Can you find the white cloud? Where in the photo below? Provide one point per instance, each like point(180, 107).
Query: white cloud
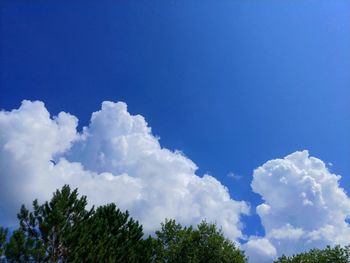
point(234, 176)
point(118, 159)
point(115, 159)
point(304, 206)
point(259, 250)
point(28, 139)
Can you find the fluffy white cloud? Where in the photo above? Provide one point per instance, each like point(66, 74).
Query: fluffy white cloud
point(304, 206)
point(28, 140)
point(115, 159)
point(259, 250)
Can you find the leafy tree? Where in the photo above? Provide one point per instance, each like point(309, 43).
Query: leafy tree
point(214, 247)
point(174, 243)
point(336, 254)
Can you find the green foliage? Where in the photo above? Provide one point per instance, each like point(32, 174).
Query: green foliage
point(3, 236)
point(44, 233)
point(214, 247)
point(62, 230)
point(20, 248)
point(336, 254)
point(174, 243)
point(109, 235)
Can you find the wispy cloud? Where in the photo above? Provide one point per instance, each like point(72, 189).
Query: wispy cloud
point(234, 176)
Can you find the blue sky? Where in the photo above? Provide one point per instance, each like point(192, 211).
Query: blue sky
point(231, 83)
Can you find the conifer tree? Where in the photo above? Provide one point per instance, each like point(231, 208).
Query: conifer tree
point(3, 236)
point(62, 230)
point(109, 235)
point(44, 233)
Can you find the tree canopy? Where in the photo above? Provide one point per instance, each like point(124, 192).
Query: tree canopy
point(64, 230)
point(206, 243)
point(3, 235)
point(329, 254)
point(109, 235)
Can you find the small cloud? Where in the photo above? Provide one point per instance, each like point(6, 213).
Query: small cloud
point(234, 176)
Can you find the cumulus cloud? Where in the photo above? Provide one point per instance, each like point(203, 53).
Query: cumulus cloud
point(304, 206)
point(259, 250)
point(114, 159)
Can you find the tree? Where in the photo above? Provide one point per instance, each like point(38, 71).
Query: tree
point(44, 233)
point(174, 243)
point(20, 248)
point(109, 235)
point(214, 247)
point(336, 254)
point(3, 236)
point(62, 230)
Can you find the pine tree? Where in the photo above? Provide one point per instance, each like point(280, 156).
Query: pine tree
point(109, 235)
point(44, 233)
point(3, 236)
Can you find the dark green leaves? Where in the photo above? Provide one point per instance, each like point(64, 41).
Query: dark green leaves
point(62, 230)
point(109, 235)
point(3, 236)
point(45, 232)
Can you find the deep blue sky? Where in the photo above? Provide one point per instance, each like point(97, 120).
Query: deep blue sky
point(231, 83)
